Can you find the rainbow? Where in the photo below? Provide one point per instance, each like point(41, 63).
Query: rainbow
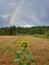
point(16, 11)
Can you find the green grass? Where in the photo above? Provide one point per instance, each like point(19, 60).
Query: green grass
point(41, 36)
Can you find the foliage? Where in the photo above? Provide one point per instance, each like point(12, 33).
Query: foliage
point(47, 34)
point(13, 30)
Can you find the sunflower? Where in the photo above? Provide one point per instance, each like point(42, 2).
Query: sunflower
point(24, 44)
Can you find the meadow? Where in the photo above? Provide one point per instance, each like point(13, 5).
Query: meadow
point(38, 47)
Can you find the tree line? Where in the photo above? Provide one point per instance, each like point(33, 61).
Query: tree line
point(13, 30)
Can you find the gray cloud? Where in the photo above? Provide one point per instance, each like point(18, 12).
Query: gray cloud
point(32, 12)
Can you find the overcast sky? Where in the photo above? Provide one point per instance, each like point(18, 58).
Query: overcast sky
point(24, 12)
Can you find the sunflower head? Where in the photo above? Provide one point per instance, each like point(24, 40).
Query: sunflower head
point(24, 44)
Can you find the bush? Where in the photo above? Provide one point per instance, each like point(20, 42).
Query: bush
point(47, 34)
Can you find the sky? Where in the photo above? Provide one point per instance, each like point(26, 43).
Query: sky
point(24, 13)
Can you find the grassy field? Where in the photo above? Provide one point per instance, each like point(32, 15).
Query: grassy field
point(38, 47)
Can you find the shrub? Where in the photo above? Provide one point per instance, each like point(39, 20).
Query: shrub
point(47, 34)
